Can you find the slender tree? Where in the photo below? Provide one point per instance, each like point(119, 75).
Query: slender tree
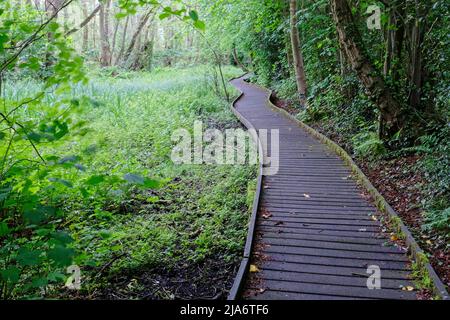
point(87, 18)
point(105, 57)
point(124, 37)
point(297, 54)
point(350, 40)
point(134, 39)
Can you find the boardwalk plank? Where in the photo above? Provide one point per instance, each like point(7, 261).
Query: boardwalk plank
point(315, 228)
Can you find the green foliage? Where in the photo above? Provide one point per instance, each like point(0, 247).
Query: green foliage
point(176, 9)
point(434, 166)
point(34, 249)
point(93, 199)
point(368, 145)
point(438, 220)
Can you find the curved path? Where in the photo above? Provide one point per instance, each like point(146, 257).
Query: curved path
point(316, 235)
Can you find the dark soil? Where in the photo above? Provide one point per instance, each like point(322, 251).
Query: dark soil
point(209, 280)
point(400, 183)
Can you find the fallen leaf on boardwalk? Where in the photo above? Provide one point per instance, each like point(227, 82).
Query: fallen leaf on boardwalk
point(374, 218)
point(394, 237)
point(279, 223)
point(362, 230)
point(267, 215)
point(253, 268)
point(408, 288)
point(306, 195)
point(262, 290)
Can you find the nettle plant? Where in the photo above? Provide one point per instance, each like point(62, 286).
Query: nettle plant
point(36, 177)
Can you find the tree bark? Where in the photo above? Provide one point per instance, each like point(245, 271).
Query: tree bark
point(237, 61)
point(376, 89)
point(394, 41)
point(87, 18)
point(105, 58)
point(85, 30)
point(297, 54)
point(416, 65)
point(114, 40)
point(124, 36)
point(52, 8)
point(135, 36)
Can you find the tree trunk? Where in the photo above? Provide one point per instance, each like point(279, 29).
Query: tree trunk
point(416, 65)
point(87, 19)
point(236, 59)
point(287, 42)
point(124, 36)
point(52, 8)
point(297, 55)
point(135, 37)
point(351, 42)
point(105, 58)
point(114, 40)
point(394, 42)
point(85, 30)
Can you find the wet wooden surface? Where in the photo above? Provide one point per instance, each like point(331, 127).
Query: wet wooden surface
point(314, 227)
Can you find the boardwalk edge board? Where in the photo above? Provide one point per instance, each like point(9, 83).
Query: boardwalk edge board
point(245, 262)
point(418, 255)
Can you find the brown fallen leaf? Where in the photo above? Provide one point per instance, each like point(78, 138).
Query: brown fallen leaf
point(267, 215)
point(394, 237)
point(408, 288)
point(253, 268)
point(278, 223)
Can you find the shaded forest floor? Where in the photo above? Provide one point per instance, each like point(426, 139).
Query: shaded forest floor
point(401, 184)
point(182, 239)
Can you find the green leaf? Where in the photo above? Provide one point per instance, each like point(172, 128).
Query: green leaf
point(4, 193)
point(62, 256)
point(105, 234)
point(11, 274)
point(55, 276)
point(62, 237)
point(39, 282)
point(95, 180)
point(4, 229)
point(39, 214)
point(2, 135)
point(164, 15)
point(28, 257)
point(200, 25)
point(152, 184)
point(193, 14)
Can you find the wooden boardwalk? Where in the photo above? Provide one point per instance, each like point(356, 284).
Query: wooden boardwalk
point(314, 229)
